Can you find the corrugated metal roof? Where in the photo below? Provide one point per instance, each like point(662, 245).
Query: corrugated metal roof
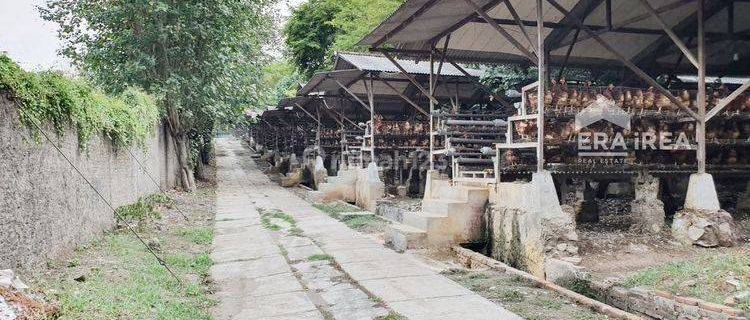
point(419, 24)
point(377, 62)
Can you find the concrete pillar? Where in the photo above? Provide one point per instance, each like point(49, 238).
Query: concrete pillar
point(646, 210)
point(319, 171)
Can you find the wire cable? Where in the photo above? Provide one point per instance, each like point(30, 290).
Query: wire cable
point(151, 177)
point(117, 215)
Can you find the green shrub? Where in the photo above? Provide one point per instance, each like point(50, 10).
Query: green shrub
point(48, 96)
point(139, 211)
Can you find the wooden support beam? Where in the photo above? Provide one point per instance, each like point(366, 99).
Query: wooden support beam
point(640, 73)
point(345, 118)
point(627, 22)
point(406, 22)
point(405, 98)
point(307, 113)
point(567, 54)
point(463, 21)
point(500, 30)
point(517, 18)
point(432, 110)
point(726, 101)
point(677, 41)
point(342, 86)
point(541, 87)
point(371, 100)
point(410, 77)
point(331, 115)
point(700, 132)
point(442, 59)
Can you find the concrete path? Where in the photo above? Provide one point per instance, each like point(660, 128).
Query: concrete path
point(277, 257)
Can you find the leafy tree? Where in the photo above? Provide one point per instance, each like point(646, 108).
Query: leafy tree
point(357, 18)
point(309, 34)
point(320, 27)
point(195, 56)
point(281, 80)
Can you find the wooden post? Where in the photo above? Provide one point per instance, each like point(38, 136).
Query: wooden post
point(432, 109)
point(371, 99)
point(700, 132)
point(542, 78)
point(317, 132)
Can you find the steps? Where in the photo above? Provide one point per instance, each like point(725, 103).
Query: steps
point(403, 237)
point(450, 214)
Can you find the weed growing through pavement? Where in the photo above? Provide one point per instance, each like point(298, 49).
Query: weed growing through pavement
point(320, 257)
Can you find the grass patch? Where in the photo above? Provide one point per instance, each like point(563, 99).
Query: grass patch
point(703, 277)
point(199, 235)
point(359, 222)
point(266, 221)
point(335, 209)
point(320, 257)
point(512, 296)
point(130, 284)
point(578, 285)
point(115, 276)
point(391, 316)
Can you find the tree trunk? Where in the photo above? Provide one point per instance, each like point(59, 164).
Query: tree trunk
point(186, 175)
point(181, 149)
point(204, 158)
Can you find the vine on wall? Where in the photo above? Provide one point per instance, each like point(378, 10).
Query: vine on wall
point(126, 119)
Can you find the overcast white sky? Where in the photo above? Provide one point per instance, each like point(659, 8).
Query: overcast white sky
point(28, 39)
point(33, 43)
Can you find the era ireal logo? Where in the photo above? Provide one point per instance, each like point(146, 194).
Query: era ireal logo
point(602, 109)
point(616, 143)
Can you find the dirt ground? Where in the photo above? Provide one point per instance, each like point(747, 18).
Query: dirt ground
point(610, 249)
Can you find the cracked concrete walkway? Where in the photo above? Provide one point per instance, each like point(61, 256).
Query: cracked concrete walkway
point(277, 257)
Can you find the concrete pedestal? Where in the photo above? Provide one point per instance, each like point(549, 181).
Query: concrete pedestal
point(701, 193)
point(320, 173)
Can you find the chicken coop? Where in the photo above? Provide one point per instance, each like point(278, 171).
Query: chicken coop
point(391, 94)
point(676, 70)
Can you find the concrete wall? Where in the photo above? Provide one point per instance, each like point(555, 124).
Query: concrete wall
point(46, 209)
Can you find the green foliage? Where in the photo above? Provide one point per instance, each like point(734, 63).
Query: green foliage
point(320, 27)
point(280, 80)
point(502, 78)
point(357, 18)
point(309, 34)
point(199, 235)
point(202, 60)
point(141, 210)
point(320, 257)
point(703, 277)
point(126, 120)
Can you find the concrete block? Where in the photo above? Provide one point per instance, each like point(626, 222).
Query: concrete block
point(403, 237)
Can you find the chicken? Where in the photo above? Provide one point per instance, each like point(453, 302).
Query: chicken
point(663, 103)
